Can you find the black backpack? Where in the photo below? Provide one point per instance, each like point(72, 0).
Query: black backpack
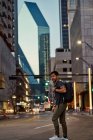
point(69, 95)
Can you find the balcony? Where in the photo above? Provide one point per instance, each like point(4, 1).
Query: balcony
point(4, 4)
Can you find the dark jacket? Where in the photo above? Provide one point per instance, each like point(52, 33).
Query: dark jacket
point(59, 97)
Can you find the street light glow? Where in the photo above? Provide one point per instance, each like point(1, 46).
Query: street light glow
point(79, 42)
point(14, 97)
point(65, 25)
point(77, 58)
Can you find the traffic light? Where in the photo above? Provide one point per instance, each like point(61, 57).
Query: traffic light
point(38, 76)
point(38, 97)
point(13, 78)
point(46, 85)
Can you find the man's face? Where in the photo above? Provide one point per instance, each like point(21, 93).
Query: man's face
point(54, 77)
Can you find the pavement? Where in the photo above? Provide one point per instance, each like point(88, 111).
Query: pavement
point(81, 113)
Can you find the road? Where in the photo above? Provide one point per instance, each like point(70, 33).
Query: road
point(40, 127)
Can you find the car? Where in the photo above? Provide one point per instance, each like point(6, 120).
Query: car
point(41, 109)
point(35, 110)
point(9, 110)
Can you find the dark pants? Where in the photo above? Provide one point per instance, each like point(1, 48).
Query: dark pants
point(59, 113)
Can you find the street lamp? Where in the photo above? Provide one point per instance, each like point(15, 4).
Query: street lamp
point(75, 104)
point(14, 103)
point(88, 64)
point(79, 42)
point(90, 91)
point(80, 58)
point(90, 67)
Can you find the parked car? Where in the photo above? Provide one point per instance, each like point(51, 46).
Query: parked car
point(47, 106)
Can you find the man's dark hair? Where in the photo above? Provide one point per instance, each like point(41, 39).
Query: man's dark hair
point(54, 72)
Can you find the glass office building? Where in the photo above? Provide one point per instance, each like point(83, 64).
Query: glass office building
point(34, 39)
point(63, 17)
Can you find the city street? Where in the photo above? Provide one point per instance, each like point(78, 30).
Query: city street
point(46, 59)
point(40, 127)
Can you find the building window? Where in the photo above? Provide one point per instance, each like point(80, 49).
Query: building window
point(70, 69)
point(9, 26)
point(9, 35)
point(65, 61)
point(4, 14)
point(64, 69)
point(69, 61)
point(9, 17)
point(4, 24)
point(9, 8)
point(4, 4)
point(59, 50)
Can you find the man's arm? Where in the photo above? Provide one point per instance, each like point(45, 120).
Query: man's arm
point(61, 90)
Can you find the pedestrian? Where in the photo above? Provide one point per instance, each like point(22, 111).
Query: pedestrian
point(59, 107)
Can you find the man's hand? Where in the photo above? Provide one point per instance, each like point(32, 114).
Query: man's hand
point(53, 108)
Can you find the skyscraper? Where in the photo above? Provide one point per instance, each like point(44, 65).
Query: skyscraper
point(63, 17)
point(72, 6)
point(82, 31)
point(34, 39)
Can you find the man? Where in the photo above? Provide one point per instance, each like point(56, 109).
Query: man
point(60, 107)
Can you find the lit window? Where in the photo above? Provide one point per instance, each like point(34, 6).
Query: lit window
point(64, 61)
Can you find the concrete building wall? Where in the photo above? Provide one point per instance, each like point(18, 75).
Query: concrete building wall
point(52, 61)
point(72, 6)
point(81, 29)
point(7, 44)
point(7, 22)
point(63, 63)
point(7, 68)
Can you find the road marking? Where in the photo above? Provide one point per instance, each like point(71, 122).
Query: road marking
point(43, 126)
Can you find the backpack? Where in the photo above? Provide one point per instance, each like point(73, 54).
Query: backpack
point(69, 95)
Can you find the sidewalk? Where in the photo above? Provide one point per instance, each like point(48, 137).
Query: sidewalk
point(81, 113)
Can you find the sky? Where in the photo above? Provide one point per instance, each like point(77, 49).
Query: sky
point(50, 11)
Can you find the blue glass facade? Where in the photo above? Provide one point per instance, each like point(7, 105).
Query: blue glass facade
point(36, 13)
point(43, 42)
point(37, 39)
point(25, 66)
point(64, 24)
